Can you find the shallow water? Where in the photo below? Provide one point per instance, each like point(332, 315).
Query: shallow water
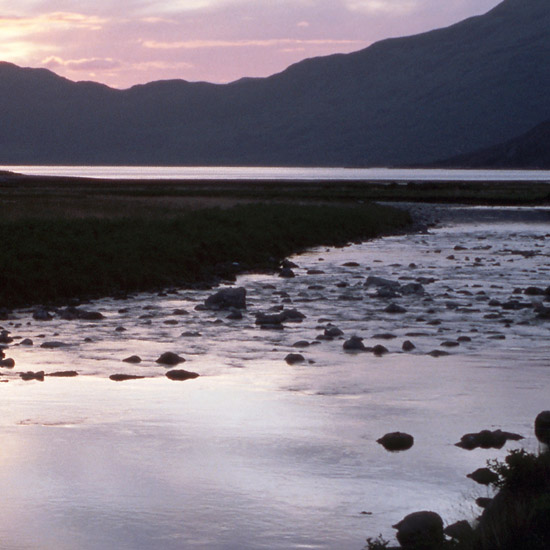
point(259, 454)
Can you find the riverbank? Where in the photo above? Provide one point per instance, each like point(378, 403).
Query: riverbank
point(60, 257)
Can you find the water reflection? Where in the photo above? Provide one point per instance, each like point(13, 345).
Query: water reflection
point(259, 454)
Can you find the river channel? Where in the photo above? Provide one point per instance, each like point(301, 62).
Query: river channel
point(260, 454)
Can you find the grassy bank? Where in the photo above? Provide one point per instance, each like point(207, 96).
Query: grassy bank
point(51, 259)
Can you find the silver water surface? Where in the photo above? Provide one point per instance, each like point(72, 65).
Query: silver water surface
point(260, 173)
point(258, 454)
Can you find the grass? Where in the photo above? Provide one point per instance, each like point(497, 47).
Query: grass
point(53, 259)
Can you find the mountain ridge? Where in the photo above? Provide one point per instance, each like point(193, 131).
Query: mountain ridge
point(409, 100)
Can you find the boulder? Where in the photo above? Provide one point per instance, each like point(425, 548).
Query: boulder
point(7, 363)
point(32, 376)
point(355, 343)
point(181, 375)
point(542, 427)
point(459, 531)
point(396, 441)
point(63, 374)
point(41, 314)
point(379, 350)
point(412, 288)
point(484, 476)
point(487, 439)
point(287, 273)
point(26, 342)
point(169, 358)
point(438, 353)
point(227, 298)
point(333, 332)
point(5, 337)
point(420, 531)
point(133, 359)
point(294, 358)
point(408, 346)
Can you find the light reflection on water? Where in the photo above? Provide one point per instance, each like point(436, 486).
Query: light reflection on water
point(255, 453)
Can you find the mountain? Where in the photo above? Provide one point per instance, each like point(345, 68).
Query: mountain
point(401, 101)
point(528, 151)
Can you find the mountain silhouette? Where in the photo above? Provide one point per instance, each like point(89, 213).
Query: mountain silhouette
point(528, 151)
point(402, 101)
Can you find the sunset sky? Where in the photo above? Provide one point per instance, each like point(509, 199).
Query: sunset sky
point(126, 42)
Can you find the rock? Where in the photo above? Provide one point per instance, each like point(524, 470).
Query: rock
point(181, 375)
point(133, 359)
point(412, 288)
point(294, 358)
point(71, 313)
point(380, 281)
point(395, 308)
point(32, 376)
point(53, 344)
point(450, 344)
point(191, 334)
point(227, 298)
point(7, 363)
point(124, 377)
point(408, 346)
point(484, 476)
point(169, 358)
point(292, 315)
point(264, 319)
point(384, 336)
point(287, 273)
point(301, 344)
point(63, 374)
point(460, 531)
point(533, 291)
point(420, 531)
point(41, 314)
point(379, 350)
point(333, 332)
point(355, 343)
point(5, 337)
point(542, 427)
point(487, 439)
point(438, 353)
point(235, 315)
point(350, 264)
point(396, 441)
point(26, 342)
point(287, 264)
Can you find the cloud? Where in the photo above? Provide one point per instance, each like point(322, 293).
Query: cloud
point(91, 64)
point(271, 42)
point(383, 7)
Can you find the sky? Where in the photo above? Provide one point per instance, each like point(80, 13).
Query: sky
point(126, 42)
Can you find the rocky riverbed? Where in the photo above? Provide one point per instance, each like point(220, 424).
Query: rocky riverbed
point(254, 413)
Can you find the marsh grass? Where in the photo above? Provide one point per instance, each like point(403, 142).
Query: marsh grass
point(53, 259)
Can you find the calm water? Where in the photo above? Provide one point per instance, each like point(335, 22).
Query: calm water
point(256, 454)
point(262, 173)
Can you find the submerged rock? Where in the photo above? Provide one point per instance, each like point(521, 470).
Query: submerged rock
point(408, 346)
point(132, 359)
point(420, 530)
point(63, 374)
point(124, 377)
point(396, 441)
point(379, 350)
point(395, 309)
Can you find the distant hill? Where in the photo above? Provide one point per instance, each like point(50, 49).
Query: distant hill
point(528, 151)
point(401, 101)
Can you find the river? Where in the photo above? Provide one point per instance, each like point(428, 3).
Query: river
point(258, 454)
